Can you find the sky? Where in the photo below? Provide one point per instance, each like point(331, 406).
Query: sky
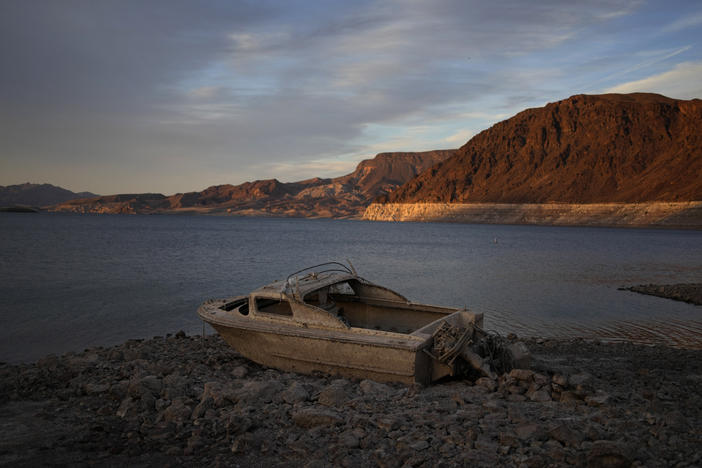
point(174, 96)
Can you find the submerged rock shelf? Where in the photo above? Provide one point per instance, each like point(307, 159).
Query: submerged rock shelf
point(184, 400)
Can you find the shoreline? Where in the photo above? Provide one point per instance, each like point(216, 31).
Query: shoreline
point(674, 215)
point(180, 400)
point(647, 215)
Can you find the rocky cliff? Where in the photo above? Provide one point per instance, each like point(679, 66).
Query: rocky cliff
point(588, 160)
point(585, 149)
point(340, 197)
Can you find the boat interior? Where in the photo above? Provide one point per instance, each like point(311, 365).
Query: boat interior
point(373, 307)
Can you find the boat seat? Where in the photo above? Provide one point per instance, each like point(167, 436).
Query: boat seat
point(336, 311)
point(330, 307)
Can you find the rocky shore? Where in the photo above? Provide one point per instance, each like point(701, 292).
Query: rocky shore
point(685, 292)
point(180, 400)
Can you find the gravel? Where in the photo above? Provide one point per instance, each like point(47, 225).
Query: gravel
point(180, 400)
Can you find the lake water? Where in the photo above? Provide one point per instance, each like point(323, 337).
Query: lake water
point(68, 282)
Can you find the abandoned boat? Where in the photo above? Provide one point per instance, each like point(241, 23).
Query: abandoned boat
point(328, 319)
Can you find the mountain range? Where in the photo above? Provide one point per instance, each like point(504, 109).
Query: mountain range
point(607, 160)
point(628, 148)
point(340, 197)
point(589, 159)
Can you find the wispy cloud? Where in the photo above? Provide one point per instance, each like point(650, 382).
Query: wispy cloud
point(300, 170)
point(687, 21)
point(682, 82)
point(650, 58)
point(460, 137)
point(205, 92)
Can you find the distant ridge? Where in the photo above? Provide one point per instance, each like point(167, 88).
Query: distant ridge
point(340, 197)
point(626, 148)
point(37, 195)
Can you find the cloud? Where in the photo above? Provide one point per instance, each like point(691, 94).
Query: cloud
point(687, 21)
point(682, 82)
point(159, 89)
point(324, 168)
point(650, 58)
point(460, 137)
point(205, 92)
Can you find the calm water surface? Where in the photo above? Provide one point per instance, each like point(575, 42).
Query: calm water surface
point(68, 282)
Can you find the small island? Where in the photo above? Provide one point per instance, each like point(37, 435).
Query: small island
point(18, 209)
point(685, 292)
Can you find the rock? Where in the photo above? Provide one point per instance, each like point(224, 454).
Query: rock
point(260, 391)
point(245, 443)
point(174, 386)
point(487, 383)
point(599, 399)
point(149, 384)
point(313, 417)
point(82, 361)
point(128, 409)
point(420, 445)
point(194, 444)
point(349, 439)
point(119, 389)
point(676, 421)
point(560, 379)
point(387, 424)
point(583, 379)
point(147, 402)
point(507, 440)
point(240, 372)
point(295, 393)
point(486, 443)
point(565, 435)
point(554, 451)
point(523, 375)
point(50, 362)
point(528, 431)
point(494, 405)
point(606, 454)
point(569, 396)
point(221, 394)
point(95, 389)
point(161, 404)
point(177, 411)
point(237, 425)
point(333, 395)
point(202, 407)
point(374, 389)
point(541, 380)
point(539, 395)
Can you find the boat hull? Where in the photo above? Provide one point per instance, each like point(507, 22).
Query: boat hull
point(353, 357)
